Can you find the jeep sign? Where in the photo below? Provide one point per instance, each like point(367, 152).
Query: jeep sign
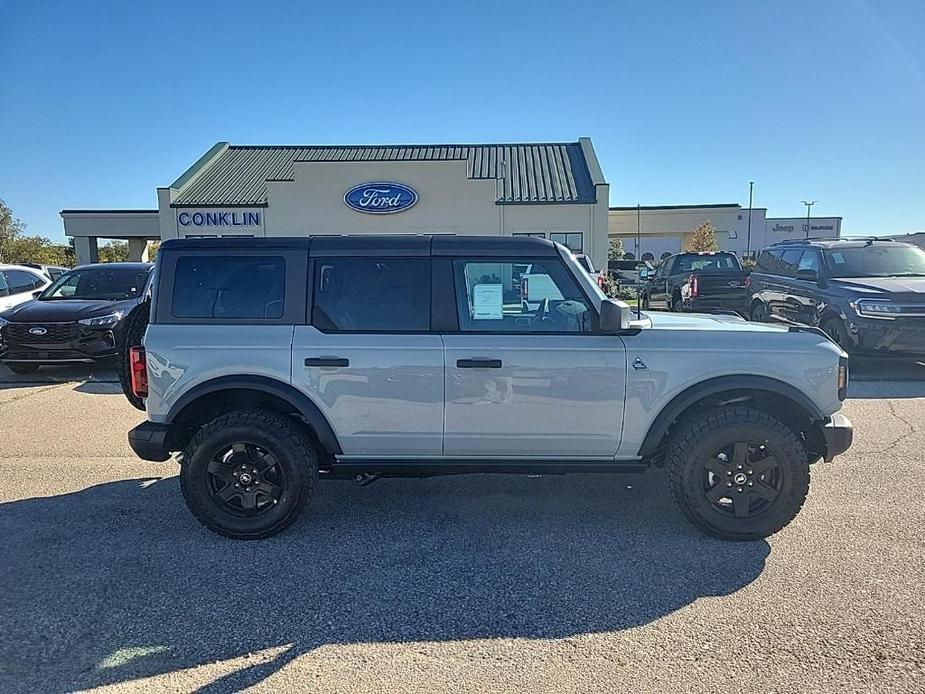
point(380, 197)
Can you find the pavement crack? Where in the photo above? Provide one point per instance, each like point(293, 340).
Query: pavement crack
point(32, 393)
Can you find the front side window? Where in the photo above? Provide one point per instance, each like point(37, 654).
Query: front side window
point(520, 297)
point(234, 286)
point(372, 295)
point(4, 286)
point(876, 261)
point(98, 284)
point(573, 240)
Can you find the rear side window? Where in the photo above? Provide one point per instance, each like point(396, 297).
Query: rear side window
point(21, 281)
point(236, 286)
point(382, 295)
point(4, 287)
point(768, 261)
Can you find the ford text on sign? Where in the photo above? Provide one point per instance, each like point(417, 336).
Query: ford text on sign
point(380, 197)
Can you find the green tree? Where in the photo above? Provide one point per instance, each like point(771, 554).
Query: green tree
point(113, 252)
point(16, 247)
point(615, 251)
point(704, 238)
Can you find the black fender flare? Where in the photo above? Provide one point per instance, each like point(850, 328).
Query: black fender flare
point(271, 386)
point(680, 402)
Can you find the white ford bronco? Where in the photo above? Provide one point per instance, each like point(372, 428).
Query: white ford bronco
point(271, 363)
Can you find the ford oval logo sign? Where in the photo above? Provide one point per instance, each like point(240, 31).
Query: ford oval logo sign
point(380, 197)
point(37, 331)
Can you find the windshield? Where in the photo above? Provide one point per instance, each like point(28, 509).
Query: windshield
point(103, 284)
point(876, 261)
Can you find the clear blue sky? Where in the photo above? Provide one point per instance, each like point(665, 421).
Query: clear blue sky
point(101, 102)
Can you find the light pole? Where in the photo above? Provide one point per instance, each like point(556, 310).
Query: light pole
point(809, 205)
point(748, 235)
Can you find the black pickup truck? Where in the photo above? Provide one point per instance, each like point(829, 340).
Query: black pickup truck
point(699, 282)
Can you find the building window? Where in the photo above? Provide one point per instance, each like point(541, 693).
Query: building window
point(574, 241)
point(530, 234)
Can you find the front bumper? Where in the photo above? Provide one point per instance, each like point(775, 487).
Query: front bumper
point(903, 337)
point(838, 433)
point(61, 343)
point(149, 441)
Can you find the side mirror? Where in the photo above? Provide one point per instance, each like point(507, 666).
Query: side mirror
point(615, 316)
point(807, 275)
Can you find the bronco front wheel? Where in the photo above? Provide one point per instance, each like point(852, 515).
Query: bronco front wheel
point(738, 473)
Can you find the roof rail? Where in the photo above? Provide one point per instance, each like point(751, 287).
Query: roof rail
point(849, 239)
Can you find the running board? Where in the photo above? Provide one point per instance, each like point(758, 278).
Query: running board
point(348, 469)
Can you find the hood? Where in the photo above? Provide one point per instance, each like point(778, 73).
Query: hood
point(709, 321)
point(64, 310)
point(877, 286)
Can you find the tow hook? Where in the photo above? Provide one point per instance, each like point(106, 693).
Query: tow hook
point(365, 478)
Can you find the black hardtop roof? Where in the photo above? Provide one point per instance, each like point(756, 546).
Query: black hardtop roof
point(376, 245)
point(114, 266)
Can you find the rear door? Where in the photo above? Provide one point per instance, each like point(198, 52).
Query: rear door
point(786, 302)
point(526, 374)
point(368, 358)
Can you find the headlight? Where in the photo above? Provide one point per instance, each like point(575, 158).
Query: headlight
point(3, 321)
point(876, 308)
point(106, 321)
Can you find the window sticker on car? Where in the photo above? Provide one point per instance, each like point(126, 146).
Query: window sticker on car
point(488, 302)
point(838, 258)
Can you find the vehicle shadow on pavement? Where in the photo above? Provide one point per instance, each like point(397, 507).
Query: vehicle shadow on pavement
point(117, 581)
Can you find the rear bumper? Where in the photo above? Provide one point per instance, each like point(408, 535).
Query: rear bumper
point(838, 433)
point(149, 441)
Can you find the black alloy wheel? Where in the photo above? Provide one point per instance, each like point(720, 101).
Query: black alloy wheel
point(246, 478)
point(742, 479)
point(737, 473)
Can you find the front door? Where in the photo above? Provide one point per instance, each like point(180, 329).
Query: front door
point(369, 360)
point(526, 375)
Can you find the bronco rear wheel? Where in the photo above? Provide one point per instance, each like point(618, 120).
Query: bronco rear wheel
point(248, 474)
point(737, 473)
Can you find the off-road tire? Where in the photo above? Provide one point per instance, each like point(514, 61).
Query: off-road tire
point(132, 334)
point(288, 443)
point(693, 446)
point(23, 368)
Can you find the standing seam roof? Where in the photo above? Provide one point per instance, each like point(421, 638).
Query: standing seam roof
point(530, 173)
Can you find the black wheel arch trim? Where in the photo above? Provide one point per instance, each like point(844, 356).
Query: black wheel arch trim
point(680, 402)
point(264, 384)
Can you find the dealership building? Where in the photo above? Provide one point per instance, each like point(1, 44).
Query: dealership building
point(553, 190)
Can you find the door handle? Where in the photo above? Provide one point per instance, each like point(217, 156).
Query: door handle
point(478, 363)
point(326, 361)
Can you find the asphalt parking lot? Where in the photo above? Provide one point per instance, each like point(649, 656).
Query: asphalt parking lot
point(482, 584)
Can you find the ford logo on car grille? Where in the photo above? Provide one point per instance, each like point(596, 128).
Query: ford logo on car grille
point(735, 283)
point(37, 331)
point(380, 197)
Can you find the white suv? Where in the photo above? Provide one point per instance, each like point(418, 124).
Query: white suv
point(19, 284)
point(271, 363)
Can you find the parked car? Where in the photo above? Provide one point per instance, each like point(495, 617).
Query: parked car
point(78, 318)
point(19, 284)
point(700, 282)
point(52, 271)
point(416, 356)
point(596, 275)
point(626, 271)
point(867, 294)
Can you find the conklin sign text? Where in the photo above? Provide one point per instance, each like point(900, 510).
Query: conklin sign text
point(219, 219)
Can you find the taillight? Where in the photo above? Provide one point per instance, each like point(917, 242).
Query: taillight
point(138, 366)
point(695, 285)
point(747, 282)
point(601, 282)
point(523, 289)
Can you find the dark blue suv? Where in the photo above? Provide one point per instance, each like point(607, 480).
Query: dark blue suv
point(868, 294)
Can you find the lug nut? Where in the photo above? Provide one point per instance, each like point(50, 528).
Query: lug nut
point(740, 490)
point(751, 484)
point(236, 485)
point(728, 484)
point(729, 473)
